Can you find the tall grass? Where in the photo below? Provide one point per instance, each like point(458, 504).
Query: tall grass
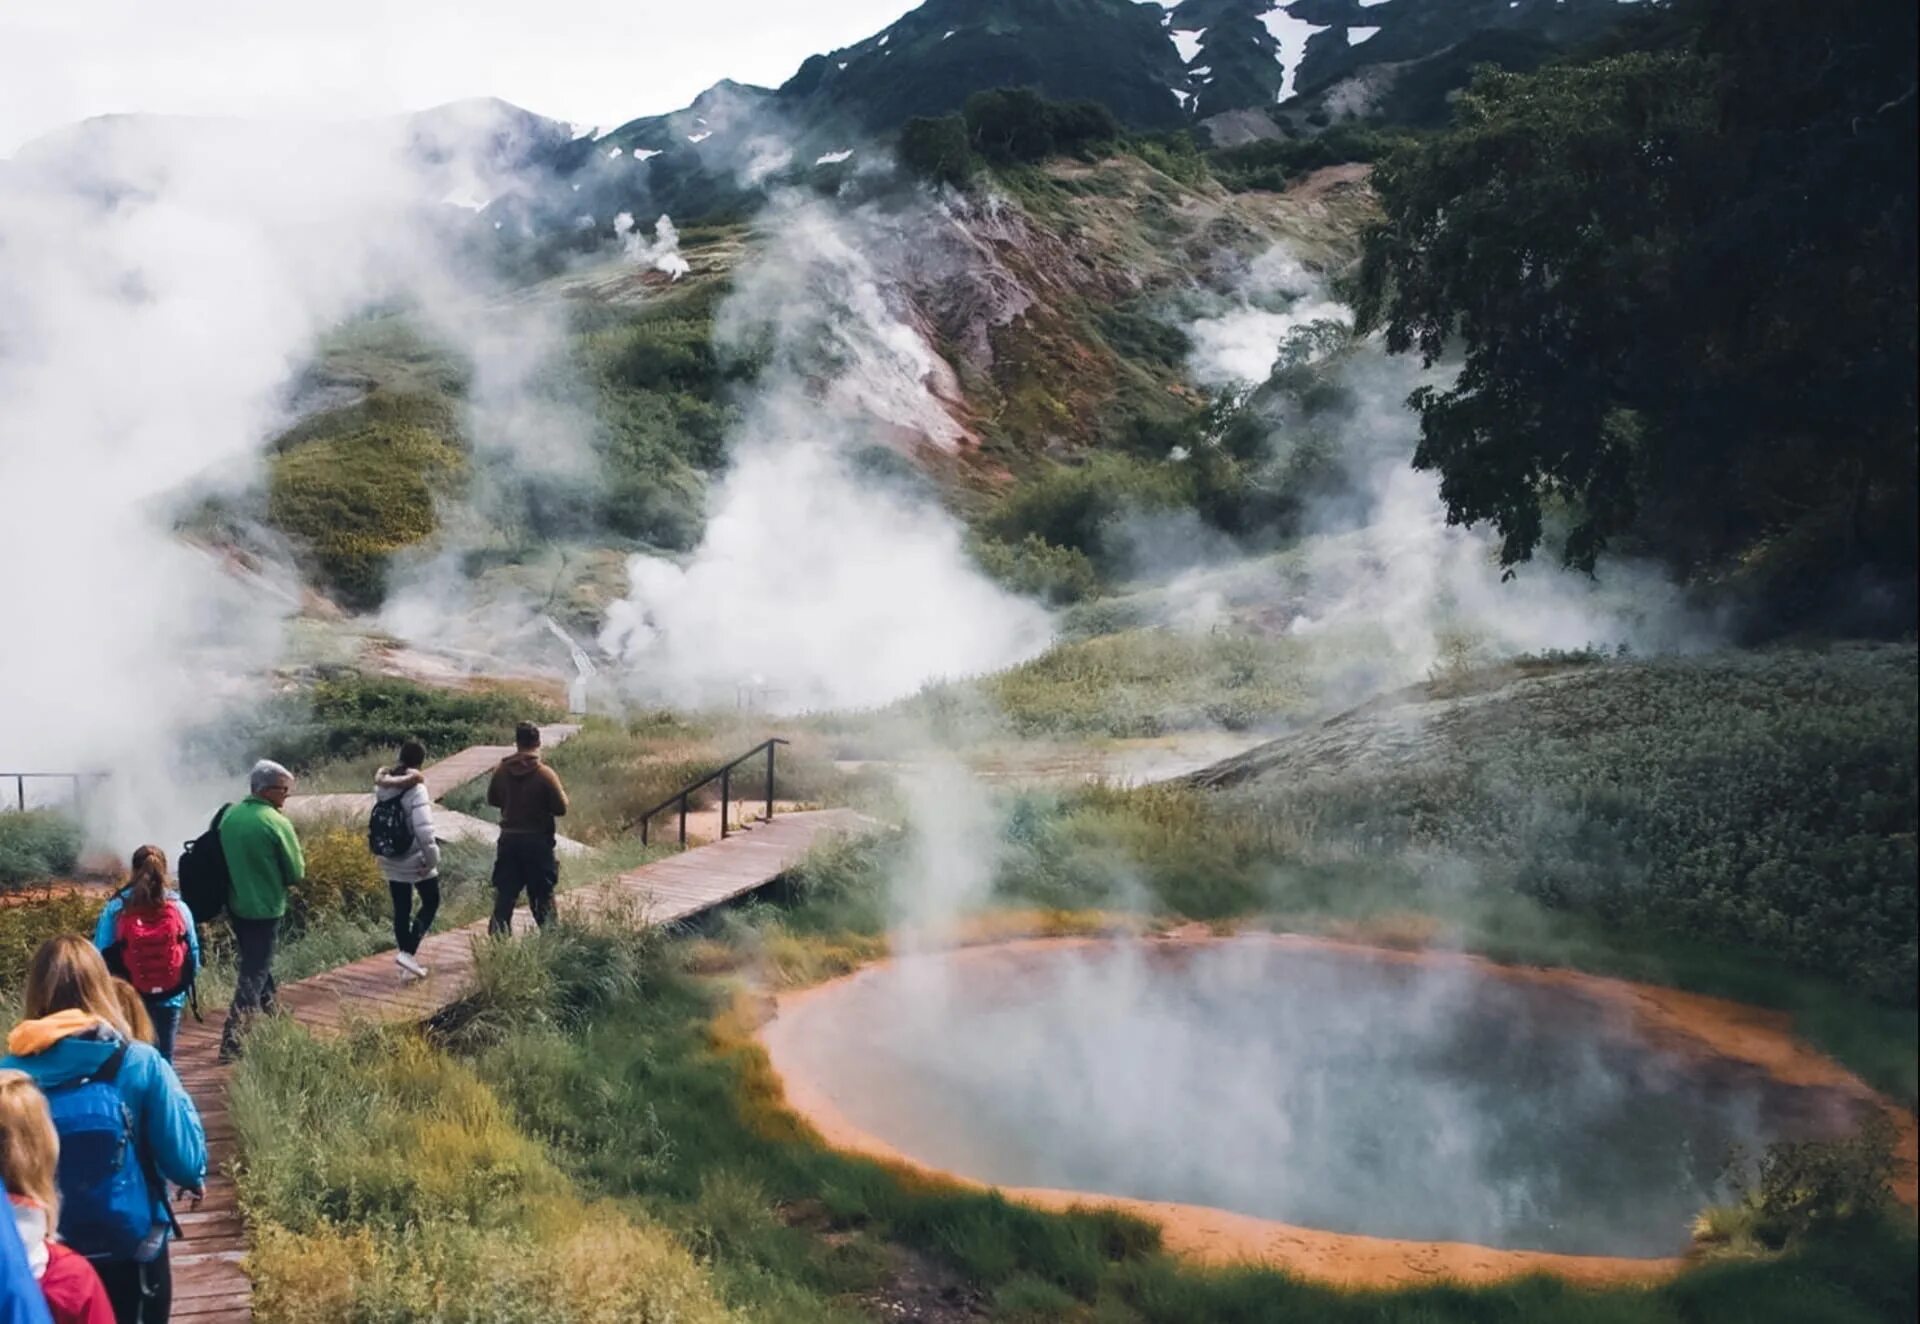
point(382, 1180)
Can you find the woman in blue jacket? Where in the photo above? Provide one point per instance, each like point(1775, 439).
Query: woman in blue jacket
point(147, 935)
point(73, 1039)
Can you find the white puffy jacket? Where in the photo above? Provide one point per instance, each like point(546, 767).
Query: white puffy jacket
point(423, 862)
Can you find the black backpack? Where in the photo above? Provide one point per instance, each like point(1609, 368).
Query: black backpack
point(202, 874)
point(390, 829)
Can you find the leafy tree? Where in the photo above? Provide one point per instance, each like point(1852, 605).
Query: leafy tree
point(1016, 124)
point(937, 149)
point(1682, 288)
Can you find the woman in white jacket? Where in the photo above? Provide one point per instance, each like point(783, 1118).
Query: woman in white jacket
point(417, 870)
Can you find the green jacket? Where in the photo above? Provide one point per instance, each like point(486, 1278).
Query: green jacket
point(263, 858)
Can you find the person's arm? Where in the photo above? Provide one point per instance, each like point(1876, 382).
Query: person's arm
point(494, 796)
point(170, 1124)
point(21, 1301)
point(292, 861)
point(424, 840)
point(104, 926)
point(556, 794)
point(193, 931)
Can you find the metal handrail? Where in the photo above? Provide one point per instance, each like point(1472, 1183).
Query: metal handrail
point(725, 775)
point(75, 779)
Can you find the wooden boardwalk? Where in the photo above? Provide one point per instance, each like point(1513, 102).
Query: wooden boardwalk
point(209, 1280)
point(477, 761)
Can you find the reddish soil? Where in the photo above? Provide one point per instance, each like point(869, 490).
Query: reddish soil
point(35, 893)
point(1710, 1028)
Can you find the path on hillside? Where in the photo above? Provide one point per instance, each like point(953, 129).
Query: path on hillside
point(209, 1282)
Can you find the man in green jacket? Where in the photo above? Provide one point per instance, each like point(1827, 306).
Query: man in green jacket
point(263, 858)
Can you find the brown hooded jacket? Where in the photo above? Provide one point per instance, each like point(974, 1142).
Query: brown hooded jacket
point(527, 793)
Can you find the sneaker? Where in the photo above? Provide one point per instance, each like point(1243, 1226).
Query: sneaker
point(407, 963)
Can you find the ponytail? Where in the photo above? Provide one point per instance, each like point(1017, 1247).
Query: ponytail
point(147, 882)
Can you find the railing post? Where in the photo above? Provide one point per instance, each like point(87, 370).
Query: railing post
point(726, 785)
point(770, 748)
point(683, 820)
point(20, 791)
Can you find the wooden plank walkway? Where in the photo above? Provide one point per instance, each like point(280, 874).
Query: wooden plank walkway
point(477, 761)
point(210, 1284)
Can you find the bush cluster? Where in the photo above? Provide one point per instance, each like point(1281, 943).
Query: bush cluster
point(342, 878)
point(347, 715)
point(1008, 126)
point(353, 500)
point(37, 845)
point(1274, 163)
point(1802, 1189)
point(26, 923)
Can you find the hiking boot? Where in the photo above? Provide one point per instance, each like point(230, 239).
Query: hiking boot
point(406, 961)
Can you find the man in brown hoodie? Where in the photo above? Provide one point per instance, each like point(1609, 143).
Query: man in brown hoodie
point(529, 796)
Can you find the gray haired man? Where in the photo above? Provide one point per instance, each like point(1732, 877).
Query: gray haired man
point(263, 863)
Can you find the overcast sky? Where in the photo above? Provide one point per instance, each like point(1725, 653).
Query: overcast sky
point(592, 61)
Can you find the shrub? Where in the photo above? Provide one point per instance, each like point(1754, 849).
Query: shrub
point(26, 923)
point(37, 845)
point(342, 878)
point(354, 500)
point(1037, 568)
point(1802, 1189)
point(348, 715)
point(555, 978)
point(1272, 163)
point(1077, 507)
point(1014, 124)
point(937, 150)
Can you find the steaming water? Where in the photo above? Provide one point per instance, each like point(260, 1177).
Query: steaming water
point(1316, 1087)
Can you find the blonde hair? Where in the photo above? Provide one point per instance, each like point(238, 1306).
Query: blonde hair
point(29, 1146)
point(134, 1009)
point(68, 974)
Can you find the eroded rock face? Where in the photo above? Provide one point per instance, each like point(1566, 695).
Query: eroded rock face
point(1008, 291)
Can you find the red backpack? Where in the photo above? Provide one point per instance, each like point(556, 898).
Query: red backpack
point(151, 944)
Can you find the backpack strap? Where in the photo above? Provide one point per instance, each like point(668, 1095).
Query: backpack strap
point(108, 1072)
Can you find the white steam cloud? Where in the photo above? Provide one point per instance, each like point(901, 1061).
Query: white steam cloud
point(817, 585)
point(1379, 561)
point(161, 283)
point(662, 254)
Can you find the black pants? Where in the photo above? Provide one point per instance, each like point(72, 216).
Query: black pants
point(253, 989)
point(410, 927)
point(523, 862)
point(140, 1293)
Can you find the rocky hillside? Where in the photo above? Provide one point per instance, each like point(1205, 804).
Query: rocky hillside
point(1046, 305)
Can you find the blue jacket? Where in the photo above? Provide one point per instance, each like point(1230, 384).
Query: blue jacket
point(103, 934)
point(71, 1044)
point(21, 1301)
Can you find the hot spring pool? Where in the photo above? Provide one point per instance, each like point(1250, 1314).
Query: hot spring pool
point(1322, 1086)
